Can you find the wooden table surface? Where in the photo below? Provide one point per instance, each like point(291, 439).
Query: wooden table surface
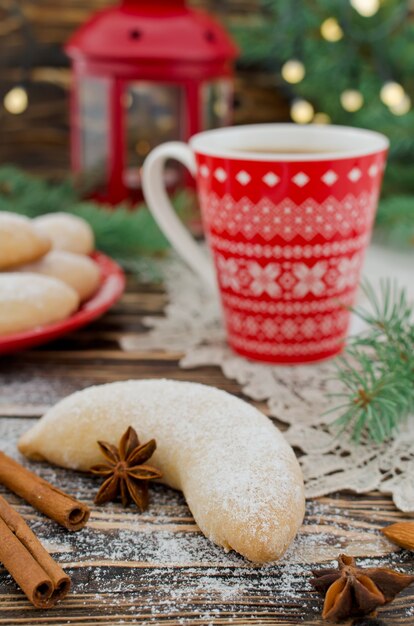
point(157, 567)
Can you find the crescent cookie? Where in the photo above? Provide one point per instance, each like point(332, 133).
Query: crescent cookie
point(67, 232)
point(240, 477)
point(29, 300)
point(78, 271)
point(19, 241)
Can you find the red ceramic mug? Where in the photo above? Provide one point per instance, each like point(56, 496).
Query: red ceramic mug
point(288, 213)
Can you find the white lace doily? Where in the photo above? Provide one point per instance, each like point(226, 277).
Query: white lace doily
point(298, 396)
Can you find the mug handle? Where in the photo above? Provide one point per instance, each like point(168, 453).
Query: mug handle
point(163, 211)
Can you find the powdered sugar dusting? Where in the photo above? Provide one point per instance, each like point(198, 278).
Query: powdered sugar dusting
point(67, 231)
point(241, 479)
point(10, 220)
point(157, 566)
point(27, 390)
point(27, 287)
point(28, 300)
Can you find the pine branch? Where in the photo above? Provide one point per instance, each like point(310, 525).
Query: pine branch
point(395, 220)
point(122, 233)
point(370, 53)
point(377, 371)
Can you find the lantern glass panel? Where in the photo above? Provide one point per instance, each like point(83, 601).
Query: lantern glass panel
point(217, 100)
point(155, 113)
point(94, 130)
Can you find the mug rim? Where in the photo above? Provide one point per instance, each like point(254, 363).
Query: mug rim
point(207, 143)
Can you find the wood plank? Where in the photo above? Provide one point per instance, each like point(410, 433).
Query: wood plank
point(158, 564)
point(157, 567)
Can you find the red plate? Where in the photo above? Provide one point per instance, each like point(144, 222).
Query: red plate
point(111, 289)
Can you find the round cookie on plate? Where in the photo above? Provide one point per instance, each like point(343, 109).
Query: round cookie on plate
point(20, 242)
point(67, 232)
point(78, 271)
point(28, 301)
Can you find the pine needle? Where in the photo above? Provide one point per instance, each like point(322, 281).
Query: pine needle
point(377, 371)
point(124, 234)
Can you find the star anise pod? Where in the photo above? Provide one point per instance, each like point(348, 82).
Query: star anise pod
point(125, 471)
point(354, 592)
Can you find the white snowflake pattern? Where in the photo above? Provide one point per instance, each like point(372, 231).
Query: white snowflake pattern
point(287, 219)
point(327, 325)
point(228, 271)
point(309, 279)
point(251, 326)
point(269, 328)
point(235, 321)
point(289, 329)
point(348, 272)
point(309, 328)
point(264, 279)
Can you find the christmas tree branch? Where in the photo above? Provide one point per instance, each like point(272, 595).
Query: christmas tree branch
point(364, 55)
point(124, 234)
point(395, 220)
point(377, 371)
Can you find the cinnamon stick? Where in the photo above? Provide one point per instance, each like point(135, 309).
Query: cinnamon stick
point(42, 580)
point(43, 496)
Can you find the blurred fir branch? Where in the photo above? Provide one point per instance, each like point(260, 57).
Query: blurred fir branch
point(395, 221)
point(371, 52)
point(377, 370)
point(124, 234)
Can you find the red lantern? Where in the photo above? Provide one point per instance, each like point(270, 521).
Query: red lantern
point(145, 72)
